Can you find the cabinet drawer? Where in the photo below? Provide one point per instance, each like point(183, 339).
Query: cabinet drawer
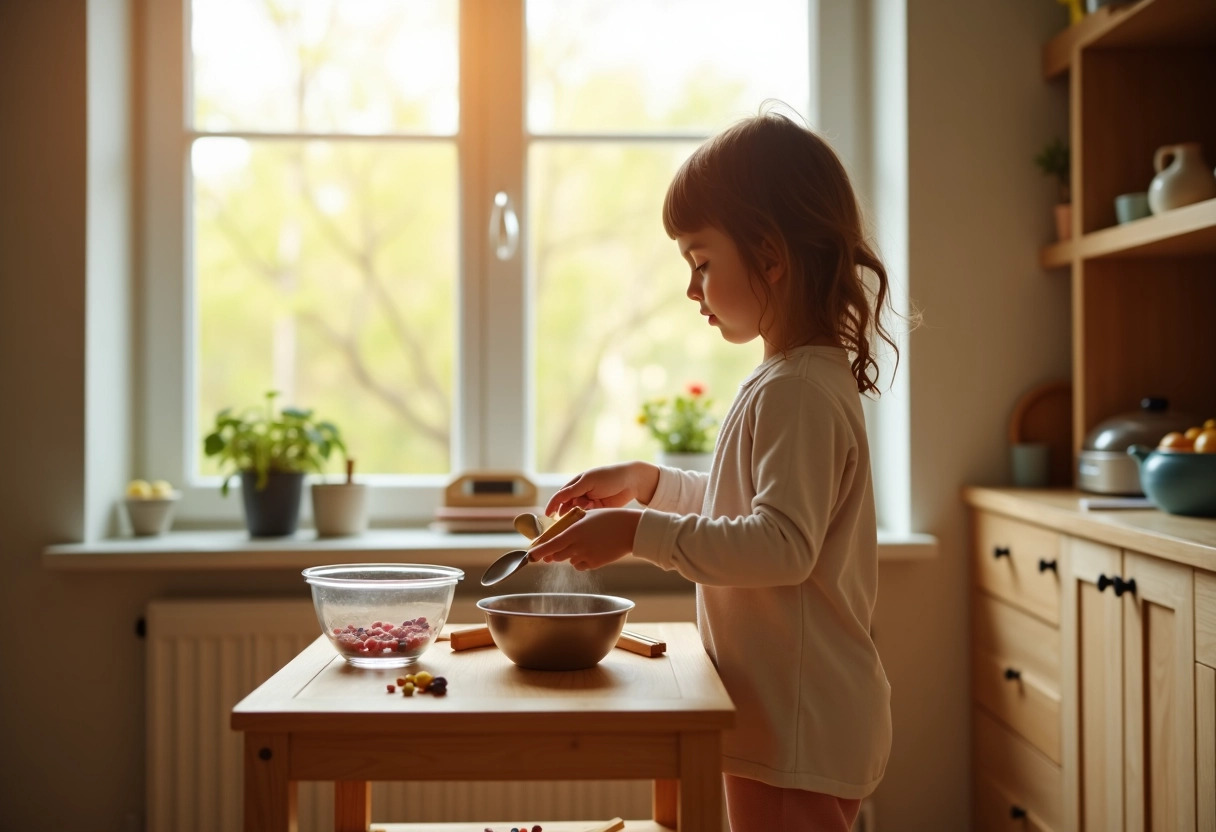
point(997, 811)
point(1011, 774)
point(1015, 671)
point(1019, 563)
point(1205, 617)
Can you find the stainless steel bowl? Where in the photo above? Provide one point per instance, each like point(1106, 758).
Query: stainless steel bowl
point(555, 630)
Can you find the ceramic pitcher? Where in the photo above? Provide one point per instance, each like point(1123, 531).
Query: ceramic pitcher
point(1183, 177)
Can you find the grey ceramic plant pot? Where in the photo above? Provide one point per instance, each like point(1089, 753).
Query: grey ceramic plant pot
point(275, 510)
point(1178, 482)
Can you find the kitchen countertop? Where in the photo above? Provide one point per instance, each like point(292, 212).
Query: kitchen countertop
point(1186, 540)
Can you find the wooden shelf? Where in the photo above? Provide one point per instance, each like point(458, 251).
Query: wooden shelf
point(1182, 232)
point(1059, 51)
point(1144, 24)
point(554, 826)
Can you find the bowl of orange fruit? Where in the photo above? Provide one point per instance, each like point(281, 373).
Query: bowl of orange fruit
point(1179, 475)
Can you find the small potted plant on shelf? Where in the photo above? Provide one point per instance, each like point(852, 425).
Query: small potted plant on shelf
point(683, 427)
point(1054, 160)
point(271, 451)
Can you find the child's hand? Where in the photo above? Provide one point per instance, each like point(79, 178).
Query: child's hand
point(610, 486)
point(598, 539)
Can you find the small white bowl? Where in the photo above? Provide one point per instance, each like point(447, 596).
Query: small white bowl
point(151, 516)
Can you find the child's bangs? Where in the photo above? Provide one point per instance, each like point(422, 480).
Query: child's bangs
point(685, 208)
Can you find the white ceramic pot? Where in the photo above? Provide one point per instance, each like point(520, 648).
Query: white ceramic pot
point(689, 462)
point(339, 509)
point(151, 516)
point(1183, 177)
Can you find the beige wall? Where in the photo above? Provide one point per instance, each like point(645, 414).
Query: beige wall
point(71, 697)
point(995, 324)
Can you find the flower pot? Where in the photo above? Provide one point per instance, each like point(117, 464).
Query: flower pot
point(339, 509)
point(1064, 221)
point(151, 516)
point(275, 510)
point(689, 462)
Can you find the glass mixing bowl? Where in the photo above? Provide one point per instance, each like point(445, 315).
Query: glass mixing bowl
point(382, 614)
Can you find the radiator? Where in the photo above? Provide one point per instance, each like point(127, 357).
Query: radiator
point(204, 656)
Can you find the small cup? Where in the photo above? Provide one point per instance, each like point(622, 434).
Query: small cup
point(339, 509)
point(1131, 207)
point(150, 516)
point(1029, 461)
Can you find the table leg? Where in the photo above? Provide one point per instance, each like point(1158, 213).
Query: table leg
point(352, 805)
point(666, 802)
point(270, 798)
point(700, 798)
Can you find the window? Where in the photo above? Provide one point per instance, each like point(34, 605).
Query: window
point(437, 223)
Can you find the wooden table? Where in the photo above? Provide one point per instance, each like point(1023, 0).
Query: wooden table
point(630, 717)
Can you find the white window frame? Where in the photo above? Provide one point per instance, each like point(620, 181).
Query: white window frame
point(493, 347)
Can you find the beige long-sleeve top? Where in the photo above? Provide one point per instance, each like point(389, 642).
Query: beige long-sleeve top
point(781, 539)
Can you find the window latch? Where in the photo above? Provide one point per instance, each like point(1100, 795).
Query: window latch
point(504, 227)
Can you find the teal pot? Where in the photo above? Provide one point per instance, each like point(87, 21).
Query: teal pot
point(1180, 482)
point(275, 510)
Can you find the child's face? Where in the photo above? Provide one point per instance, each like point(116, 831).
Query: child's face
point(721, 285)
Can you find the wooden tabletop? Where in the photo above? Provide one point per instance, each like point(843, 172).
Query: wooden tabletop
point(318, 691)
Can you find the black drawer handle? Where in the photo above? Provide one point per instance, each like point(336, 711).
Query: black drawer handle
point(1122, 586)
point(1104, 582)
point(1044, 565)
point(1000, 552)
point(1012, 674)
point(1017, 812)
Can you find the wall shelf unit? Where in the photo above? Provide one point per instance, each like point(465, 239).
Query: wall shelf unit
point(1140, 76)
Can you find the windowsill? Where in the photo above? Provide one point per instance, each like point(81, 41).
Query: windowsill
point(235, 550)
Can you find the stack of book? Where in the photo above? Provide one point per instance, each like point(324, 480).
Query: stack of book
point(479, 518)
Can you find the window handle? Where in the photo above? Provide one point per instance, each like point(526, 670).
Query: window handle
point(504, 227)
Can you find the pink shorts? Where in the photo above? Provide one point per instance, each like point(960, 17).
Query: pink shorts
point(753, 806)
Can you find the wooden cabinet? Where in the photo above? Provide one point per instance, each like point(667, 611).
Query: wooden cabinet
point(1139, 77)
point(1127, 626)
point(1015, 675)
point(1093, 683)
point(1092, 687)
point(1205, 699)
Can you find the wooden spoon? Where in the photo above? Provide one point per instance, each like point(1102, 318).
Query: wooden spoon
point(528, 525)
point(512, 562)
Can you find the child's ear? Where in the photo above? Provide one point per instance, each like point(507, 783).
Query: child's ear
point(772, 258)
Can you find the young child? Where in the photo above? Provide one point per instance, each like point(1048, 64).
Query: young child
point(780, 537)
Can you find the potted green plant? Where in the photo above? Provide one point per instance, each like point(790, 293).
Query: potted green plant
point(271, 451)
point(1054, 160)
point(683, 427)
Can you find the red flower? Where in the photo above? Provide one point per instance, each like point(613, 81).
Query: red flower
point(695, 389)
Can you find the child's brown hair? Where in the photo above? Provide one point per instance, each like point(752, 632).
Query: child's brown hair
point(769, 181)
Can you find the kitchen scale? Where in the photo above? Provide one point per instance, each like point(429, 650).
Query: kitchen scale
point(485, 501)
point(490, 488)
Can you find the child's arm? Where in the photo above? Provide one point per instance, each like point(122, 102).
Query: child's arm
point(798, 482)
point(679, 491)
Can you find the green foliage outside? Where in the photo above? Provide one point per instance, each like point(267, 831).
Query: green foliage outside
point(329, 268)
